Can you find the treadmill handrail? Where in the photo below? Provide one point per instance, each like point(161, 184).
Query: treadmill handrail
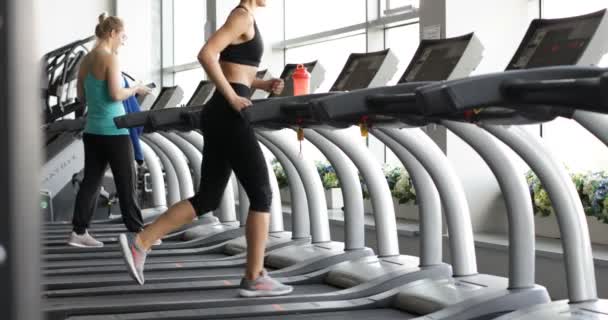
point(584, 93)
point(486, 90)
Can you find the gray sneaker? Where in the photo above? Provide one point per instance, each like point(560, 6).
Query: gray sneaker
point(263, 286)
point(84, 241)
point(135, 258)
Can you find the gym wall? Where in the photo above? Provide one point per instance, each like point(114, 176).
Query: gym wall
point(64, 21)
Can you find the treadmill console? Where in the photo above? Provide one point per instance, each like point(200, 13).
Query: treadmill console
point(168, 97)
point(364, 70)
point(361, 70)
point(203, 92)
point(569, 41)
point(317, 74)
point(444, 59)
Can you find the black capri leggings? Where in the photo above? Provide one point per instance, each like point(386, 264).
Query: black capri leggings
point(230, 145)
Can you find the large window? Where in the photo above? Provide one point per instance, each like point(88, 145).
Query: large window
point(403, 41)
point(533, 9)
point(559, 9)
point(189, 29)
point(313, 16)
point(331, 54)
point(395, 6)
point(188, 81)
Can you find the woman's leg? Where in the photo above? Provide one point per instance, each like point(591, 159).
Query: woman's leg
point(176, 216)
point(256, 233)
point(249, 165)
point(214, 178)
point(121, 159)
point(95, 165)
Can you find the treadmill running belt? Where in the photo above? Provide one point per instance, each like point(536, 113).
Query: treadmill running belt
point(382, 314)
point(143, 302)
point(83, 281)
point(120, 261)
point(365, 314)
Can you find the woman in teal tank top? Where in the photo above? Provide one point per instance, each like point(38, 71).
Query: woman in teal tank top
point(100, 85)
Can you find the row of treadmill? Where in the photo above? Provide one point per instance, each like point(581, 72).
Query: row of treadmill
point(194, 273)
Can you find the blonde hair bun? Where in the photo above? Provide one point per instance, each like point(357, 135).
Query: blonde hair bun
point(103, 16)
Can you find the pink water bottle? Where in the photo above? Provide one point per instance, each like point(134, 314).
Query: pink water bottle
point(301, 81)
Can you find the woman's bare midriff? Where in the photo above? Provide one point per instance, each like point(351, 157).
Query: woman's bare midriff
point(238, 73)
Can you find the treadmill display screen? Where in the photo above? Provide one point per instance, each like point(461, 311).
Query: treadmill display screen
point(359, 71)
point(202, 93)
point(163, 99)
point(556, 42)
point(286, 76)
point(435, 60)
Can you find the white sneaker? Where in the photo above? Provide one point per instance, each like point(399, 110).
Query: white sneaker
point(84, 241)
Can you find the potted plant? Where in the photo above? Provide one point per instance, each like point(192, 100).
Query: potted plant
point(279, 173)
point(331, 184)
point(592, 189)
point(402, 191)
point(404, 196)
point(594, 195)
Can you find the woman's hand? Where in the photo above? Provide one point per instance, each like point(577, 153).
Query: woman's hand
point(239, 103)
point(275, 86)
point(142, 90)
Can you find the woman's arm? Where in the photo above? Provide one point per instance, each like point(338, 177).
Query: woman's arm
point(115, 80)
point(237, 24)
point(273, 85)
point(82, 74)
point(260, 84)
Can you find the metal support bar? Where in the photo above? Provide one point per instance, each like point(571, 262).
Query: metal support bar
point(517, 199)
point(580, 272)
point(429, 203)
point(276, 208)
point(159, 197)
point(453, 198)
point(317, 205)
point(300, 220)
point(178, 159)
point(194, 156)
point(380, 194)
point(173, 194)
point(595, 123)
point(354, 215)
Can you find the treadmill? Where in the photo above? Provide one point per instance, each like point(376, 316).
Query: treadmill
point(482, 100)
point(534, 88)
point(472, 296)
point(571, 97)
point(382, 65)
point(363, 277)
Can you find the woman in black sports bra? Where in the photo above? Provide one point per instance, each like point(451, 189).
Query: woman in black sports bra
point(230, 145)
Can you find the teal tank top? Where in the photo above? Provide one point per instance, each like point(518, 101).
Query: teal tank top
point(101, 109)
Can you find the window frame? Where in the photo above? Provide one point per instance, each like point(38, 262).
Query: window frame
point(376, 21)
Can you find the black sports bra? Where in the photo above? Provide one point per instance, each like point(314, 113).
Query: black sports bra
point(247, 53)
